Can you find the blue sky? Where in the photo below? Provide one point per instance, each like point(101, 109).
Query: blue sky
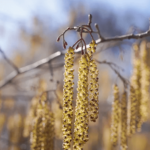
point(23, 10)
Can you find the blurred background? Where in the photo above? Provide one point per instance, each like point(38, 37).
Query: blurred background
point(28, 33)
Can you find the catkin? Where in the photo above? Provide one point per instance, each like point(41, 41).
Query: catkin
point(145, 79)
point(115, 117)
point(93, 86)
point(33, 108)
point(81, 109)
point(91, 49)
point(42, 136)
point(124, 121)
point(133, 111)
point(67, 99)
point(36, 133)
point(93, 91)
point(135, 82)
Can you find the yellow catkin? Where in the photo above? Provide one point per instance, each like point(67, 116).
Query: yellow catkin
point(115, 117)
point(124, 121)
point(132, 111)
point(42, 136)
point(145, 79)
point(32, 113)
point(93, 87)
point(91, 49)
point(67, 99)
point(93, 91)
point(135, 82)
point(36, 133)
point(81, 109)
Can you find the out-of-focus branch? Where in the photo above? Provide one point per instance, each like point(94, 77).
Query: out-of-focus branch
point(9, 61)
point(39, 63)
point(112, 66)
point(22, 70)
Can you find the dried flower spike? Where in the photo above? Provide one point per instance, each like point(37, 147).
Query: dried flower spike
point(81, 109)
point(67, 99)
point(115, 117)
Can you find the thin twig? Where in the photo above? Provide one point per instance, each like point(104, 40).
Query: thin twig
point(25, 69)
point(9, 61)
point(109, 63)
point(39, 63)
point(112, 65)
point(58, 100)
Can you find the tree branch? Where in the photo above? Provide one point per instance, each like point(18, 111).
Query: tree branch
point(10, 62)
point(39, 63)
point(112, 65)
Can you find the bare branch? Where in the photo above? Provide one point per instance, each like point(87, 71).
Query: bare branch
point(39, 63)
point(22, 70)
point(112, 65)
point(9, 61)
point(99, 34)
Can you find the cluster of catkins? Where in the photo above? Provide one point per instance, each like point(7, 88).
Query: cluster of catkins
point(129, 114)
point(87, 98)
point(42, 124)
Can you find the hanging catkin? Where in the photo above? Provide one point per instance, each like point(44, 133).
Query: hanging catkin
point(124, 121)
point(67, 99)
point(81, 109)
point(36, 133)
point(42, 136)
point(93, 86)
point(115, 117)
point(132, 111)
point(135, 82)
point(145, 79)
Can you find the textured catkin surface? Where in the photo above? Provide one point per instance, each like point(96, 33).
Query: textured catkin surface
point(93, 91)
point(93, 83)
point(67, 99)
point(42, 136)
point(81, 109)
point(133, 111)
point(145, 79)
point(135, 82)
point(36, 133)
point(115, 117)
point(124, 121)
